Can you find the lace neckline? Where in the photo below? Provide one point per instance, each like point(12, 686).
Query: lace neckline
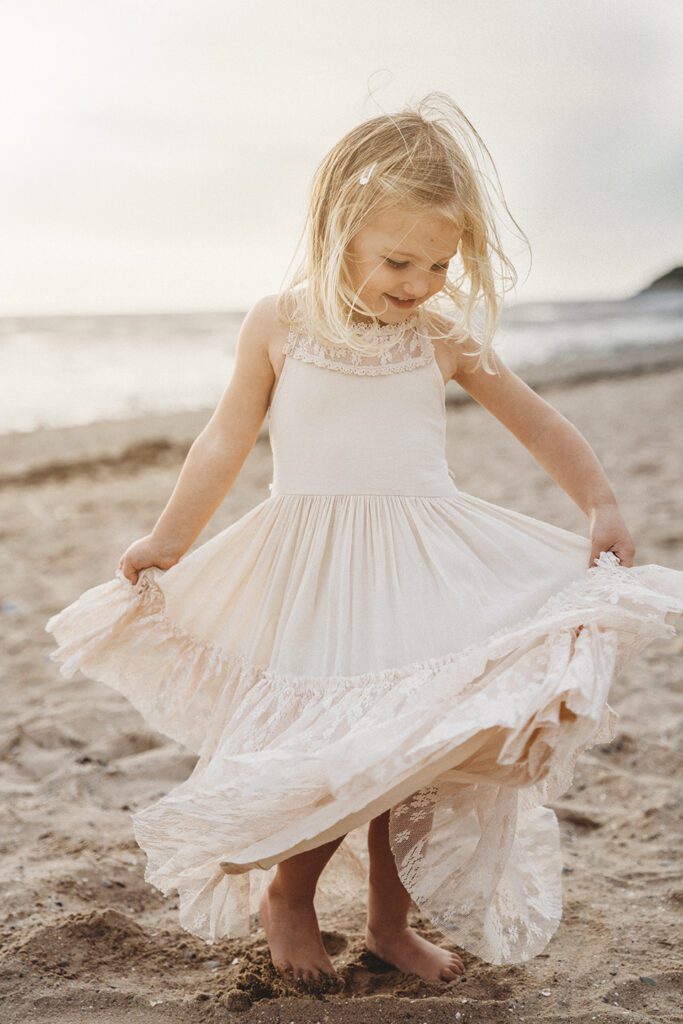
point(405, 346)
point(386, 330)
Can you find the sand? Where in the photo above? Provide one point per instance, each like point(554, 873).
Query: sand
point(84, 938)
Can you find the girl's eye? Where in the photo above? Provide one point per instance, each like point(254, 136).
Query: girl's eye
point(400, 266)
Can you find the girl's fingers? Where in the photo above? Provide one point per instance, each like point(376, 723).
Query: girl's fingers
point(624, 557)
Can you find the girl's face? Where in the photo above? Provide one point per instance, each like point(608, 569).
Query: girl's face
point(399, 259)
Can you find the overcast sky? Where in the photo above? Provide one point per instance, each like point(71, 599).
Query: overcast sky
point(157, 155)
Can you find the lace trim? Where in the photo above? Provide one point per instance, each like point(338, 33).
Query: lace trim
point(385, 330)
point(410, 349)
point(607, 581)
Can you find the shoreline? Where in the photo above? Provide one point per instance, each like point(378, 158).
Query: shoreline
point(56, 453)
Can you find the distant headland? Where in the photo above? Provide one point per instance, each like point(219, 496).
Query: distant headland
point(671, 281)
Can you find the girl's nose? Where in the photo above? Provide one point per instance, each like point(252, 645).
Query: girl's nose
point(415, 287)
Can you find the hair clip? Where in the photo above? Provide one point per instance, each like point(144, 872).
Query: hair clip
point(367, 174)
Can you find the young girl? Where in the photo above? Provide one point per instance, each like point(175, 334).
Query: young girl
point(370, 643)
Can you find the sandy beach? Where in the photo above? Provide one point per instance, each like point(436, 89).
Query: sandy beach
point(84, 938)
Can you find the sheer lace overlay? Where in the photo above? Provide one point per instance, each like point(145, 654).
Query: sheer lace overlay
point(406, 347)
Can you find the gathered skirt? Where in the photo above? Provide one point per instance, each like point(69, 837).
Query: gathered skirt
point(332, 657)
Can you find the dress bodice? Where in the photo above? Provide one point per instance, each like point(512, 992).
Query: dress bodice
point(344, 422)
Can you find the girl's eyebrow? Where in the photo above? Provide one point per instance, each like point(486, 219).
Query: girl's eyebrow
point(410, 257)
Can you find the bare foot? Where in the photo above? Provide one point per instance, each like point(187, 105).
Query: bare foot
point(293, 935)
point(412, 954)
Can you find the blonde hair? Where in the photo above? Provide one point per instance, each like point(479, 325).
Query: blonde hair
point(421, 159)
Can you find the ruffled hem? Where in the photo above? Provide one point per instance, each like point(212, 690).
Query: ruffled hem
point(479, 740)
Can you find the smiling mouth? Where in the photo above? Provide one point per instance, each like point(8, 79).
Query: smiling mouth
point(401, 303)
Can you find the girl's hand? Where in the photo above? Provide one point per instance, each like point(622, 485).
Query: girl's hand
point(142, 554)
point(609, 533)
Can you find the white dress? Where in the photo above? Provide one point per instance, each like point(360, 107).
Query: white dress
point(371, 637)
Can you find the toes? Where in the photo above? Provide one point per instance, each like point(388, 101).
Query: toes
point(448, 974)
point(305, 974)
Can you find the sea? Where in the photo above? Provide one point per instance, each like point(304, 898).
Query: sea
point(59, 371)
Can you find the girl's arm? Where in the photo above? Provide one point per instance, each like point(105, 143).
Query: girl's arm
point(218, 453)
point(557, 445)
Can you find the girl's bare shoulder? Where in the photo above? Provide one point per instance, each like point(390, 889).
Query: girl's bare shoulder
point(264, 331)
point(264, 319)
point(449, 341)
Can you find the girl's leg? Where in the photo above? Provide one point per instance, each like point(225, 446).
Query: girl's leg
point(289, 917)
point(388, 935)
